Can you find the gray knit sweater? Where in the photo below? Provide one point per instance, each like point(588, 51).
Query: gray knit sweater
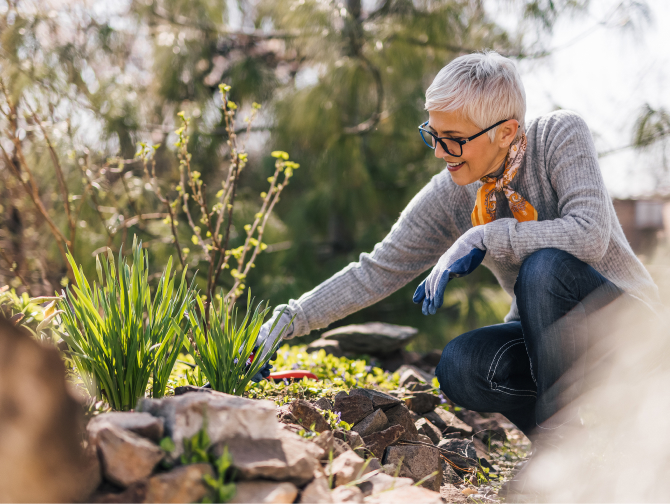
point(560, 177)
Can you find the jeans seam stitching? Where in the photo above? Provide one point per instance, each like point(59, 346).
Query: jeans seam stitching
point(490, 374)
point(511, 344)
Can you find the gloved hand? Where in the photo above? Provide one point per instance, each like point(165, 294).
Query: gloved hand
point(461, 259)
point(268, 336)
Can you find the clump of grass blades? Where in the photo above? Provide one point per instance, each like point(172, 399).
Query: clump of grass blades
point(118, 336)
point(223, 348)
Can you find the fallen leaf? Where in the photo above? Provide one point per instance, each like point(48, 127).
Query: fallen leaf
point(468, 491)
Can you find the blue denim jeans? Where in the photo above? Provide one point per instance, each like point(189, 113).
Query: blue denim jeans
point(531, 369)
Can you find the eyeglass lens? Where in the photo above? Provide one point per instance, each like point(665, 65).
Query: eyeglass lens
point(452, 147)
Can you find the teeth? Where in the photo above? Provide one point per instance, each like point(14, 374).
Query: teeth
point(455, 164)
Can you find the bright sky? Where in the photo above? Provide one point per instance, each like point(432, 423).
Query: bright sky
point(607, 76)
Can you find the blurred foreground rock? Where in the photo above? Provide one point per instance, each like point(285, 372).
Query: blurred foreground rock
point(41, 456)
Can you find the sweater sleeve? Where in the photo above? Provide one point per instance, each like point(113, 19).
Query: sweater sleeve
point(422, 233)
point(583, 228)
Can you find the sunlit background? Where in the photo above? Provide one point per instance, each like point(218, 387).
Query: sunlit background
point(341, 87)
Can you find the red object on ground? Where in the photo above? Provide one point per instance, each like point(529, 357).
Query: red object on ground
point(292, 374)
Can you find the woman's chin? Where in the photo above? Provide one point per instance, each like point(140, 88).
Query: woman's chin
point(462, 178)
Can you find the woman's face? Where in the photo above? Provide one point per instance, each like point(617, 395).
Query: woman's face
point(480, 156)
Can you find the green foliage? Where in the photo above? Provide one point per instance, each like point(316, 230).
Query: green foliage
point(221, 485)
point(196, 448)
point(335, 374)
point(27, 312)
point(223, 350)
point(118, 336)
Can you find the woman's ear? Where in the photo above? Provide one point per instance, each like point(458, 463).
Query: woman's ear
point(507, 132)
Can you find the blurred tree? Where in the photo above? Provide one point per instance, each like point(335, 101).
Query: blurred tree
point(345, 80)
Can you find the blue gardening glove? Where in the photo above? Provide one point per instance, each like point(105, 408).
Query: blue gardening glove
point(267, 336)
point(461, 259)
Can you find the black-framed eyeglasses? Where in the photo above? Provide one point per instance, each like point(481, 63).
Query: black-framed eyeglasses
point(452, 146)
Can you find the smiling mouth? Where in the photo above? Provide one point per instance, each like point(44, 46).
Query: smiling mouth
point(452, 167)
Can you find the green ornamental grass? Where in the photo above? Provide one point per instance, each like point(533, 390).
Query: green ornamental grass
point(118, 336)
point(224, 351)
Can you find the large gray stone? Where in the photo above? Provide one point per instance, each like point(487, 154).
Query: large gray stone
point(41, 457)
point(183, 484)
point(374, 338)
point(372, 423)
point(125, 456)
point(227, 417)
point(380, 400)
point(289, 458)
point(330, 346)
point(264, 492)
point(417, 462)
point(142, 424)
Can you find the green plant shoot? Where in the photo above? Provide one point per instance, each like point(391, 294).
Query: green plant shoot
point(223, 350)
point(118, 336)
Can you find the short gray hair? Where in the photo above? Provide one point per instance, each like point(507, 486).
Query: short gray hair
point(486, 87)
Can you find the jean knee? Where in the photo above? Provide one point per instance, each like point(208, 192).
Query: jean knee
point(544, 270)
point(452, 371)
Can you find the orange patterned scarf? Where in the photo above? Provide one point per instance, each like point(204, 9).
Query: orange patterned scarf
point(485, 204)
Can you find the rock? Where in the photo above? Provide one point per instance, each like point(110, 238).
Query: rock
point(405, 494)
point(317, 492)
point(382, 482)
point(414, 416)
point(372, 423)
point(308, 416)
point(488, 429)
point(41, 424)
point(428, 429)
point(412, 374)
point(347, 494)
point(352, 408)
point(425, 439)
point(378, 441)
point(142, 424)
point(227, 416)
point(380, 400)
point(346, 468)
point(352, 438)
point(183, 484)
point(290, 458)
point(449, 475)
point(460, 452)
point(373, 338)
point(324, 404)
point(324, 441)
point(452, 494)
point(417, 462)
point(125, 456)
point(422, 402)
point(399, 415)
point(329, 346)
point(447, 422)
point(270, 492)
point(136, 492)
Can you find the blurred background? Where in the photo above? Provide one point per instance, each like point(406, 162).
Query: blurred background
point(342, 86)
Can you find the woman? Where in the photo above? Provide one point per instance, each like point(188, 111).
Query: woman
point(526, 200)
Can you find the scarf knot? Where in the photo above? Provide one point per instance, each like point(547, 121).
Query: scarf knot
point(485, 204)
